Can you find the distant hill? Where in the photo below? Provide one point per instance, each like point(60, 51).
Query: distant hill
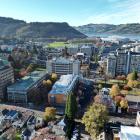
point(17, 28)
point(132, 29)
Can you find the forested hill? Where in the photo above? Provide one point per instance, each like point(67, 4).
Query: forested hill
point(17, 28)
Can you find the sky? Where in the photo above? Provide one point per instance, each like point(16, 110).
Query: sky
point(75, 12)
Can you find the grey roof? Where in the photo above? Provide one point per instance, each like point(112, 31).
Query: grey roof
point(28, 81)
point(64, 85)
point(3, 64)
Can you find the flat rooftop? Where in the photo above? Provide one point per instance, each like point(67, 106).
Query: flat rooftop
point(62, 60)
point(4, 64)
point(27, 82)
point(64, 84)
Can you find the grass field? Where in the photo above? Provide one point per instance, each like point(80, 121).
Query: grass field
point(58, 44)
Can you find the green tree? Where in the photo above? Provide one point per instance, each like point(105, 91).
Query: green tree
point(135, 73)
point(94, 119)
point(71, 106)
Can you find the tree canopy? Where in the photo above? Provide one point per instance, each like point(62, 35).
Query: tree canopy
point(71, 106)
point(115, 90)
point(50, 113)
point(94, 119)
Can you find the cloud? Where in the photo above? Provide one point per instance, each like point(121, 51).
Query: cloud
point(127, 11)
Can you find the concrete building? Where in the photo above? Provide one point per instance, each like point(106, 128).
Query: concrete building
point(63, 66)
point(60, 90)
point(72, 50)
point(111, 65)
point(18, 92)
point(123, 63)
point(86, 50)
point(6, 77)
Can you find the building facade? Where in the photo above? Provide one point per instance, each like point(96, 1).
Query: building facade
point(18, 92)
point(66, 84)
point(123, 63)
point(6, 77)
point(63, 66)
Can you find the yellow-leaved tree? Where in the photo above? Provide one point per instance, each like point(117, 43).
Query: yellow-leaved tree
point(124, 103)
point(115, 90)
point(54, 77)
point(47, 83)
point(94, 119)
point(133, 83)
point(50, 113)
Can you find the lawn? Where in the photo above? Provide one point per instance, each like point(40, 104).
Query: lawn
point(58, 44)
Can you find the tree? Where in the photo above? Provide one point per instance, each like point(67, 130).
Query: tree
point(133, 83)
point(71, 106)
point(98, 99)
point(100, 86)
point(126, 87)
point(30, 68)
point(124, 103)
point(132, 76)
point(47, 83)
point(54, 77)
point(115, 90)
point(50, 113)
point(94, 119)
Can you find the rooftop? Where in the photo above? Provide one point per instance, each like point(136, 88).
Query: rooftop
point(63, 85)
point(62, 60)
point(28, 81)
point(3, 64)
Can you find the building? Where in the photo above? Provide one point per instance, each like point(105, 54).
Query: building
point(63, 66)
point(72, 50)
point(123, 62)
point(18, 92)
point(87, 50)
point(60, 90)
point(111, 65)
point(6, 77)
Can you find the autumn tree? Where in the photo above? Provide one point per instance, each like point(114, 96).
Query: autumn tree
point(54, 77)
point(98, 99)
point(47, 83)
point(133, 83)
point(115, 90)
point(94, 119)
point(124, 105)
point(132, 76)
point(50, 113)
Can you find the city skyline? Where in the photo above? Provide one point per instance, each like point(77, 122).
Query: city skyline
point(76, 13)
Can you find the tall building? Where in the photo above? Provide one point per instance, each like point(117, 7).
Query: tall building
point(123, 63)
point(63, 66)
point(111, 64)
point(6, 77)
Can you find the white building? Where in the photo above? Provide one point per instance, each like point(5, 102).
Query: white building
point(123, 63)
point(6, 76)
point(63, 66)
